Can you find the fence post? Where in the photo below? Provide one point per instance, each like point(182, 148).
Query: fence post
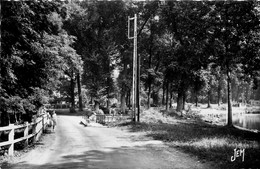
point(25, 134)
point(43, 123)
point(38, 129)
point(11, 139)
point(34, 125)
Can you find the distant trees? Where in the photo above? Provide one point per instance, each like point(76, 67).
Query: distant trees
point(198, 34)
point(234, 35)
point(187, 51)
point(177, 43)
point(95, 24)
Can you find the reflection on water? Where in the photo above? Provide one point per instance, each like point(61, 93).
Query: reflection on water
point(249, 121)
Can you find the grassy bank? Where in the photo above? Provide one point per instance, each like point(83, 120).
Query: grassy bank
point(207, 142)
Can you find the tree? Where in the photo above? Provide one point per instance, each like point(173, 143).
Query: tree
point(186, 25)
point(30, 61)
point(198, 84)
point(23, 65)
point(234, 32)
point(72, 65)
point(210, 81)
point(93, 23)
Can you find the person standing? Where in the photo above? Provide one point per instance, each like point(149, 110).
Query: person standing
point(54, 119)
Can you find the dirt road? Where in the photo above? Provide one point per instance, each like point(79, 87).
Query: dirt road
point(75, 146)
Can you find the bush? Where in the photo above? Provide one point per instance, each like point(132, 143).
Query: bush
point(72, 110)
point(153, 116)
point(222, 107)
point(15, 109)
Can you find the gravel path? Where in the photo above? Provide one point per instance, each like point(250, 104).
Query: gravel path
point(75, 146)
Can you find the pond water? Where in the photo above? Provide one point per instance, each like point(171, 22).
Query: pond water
point(249, 121)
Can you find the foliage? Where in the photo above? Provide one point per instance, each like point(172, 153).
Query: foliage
point(34, 49)
point(95, 25)
point(232, 33)
point(184, 48)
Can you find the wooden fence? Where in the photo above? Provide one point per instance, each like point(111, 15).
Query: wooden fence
point(61, 106)
point(36, 128)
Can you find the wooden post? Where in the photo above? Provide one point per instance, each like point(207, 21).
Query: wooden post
point(136, 71)
point(11, 139)
point(34, 131)
point(43, 125)
point(135, 95)
point(26, 134)
point(38, 129)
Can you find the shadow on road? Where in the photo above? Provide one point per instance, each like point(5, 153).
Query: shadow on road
point(116, 158)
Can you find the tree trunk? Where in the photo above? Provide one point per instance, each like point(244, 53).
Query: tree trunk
point(127, 102)
point(150, 65)
point(209, 95)
point(180, 99)
point(123, 99)
point(219, 93)
point(184, 100)
point(123, 103)
point(196, 98)
point(163, 100)
point(108, 93)
point(108, 105)
point(229, 120)
point(171, 97)
point(15, 118)
point(108, 101)
point(149, 96)
point(124, 95)
point(179, 102)
point(155, 96)
point(129, 99)
point(72, 94)
point(167, 96)
point(79, 92)
point(247, 94)
point(96, 106)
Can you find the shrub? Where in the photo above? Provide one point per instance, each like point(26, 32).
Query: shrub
point(15, 109)
point(153, 116)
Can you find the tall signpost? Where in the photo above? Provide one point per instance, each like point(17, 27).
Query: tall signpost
point(136, 71)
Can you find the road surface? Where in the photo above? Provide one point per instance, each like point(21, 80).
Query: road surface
point(74, 146)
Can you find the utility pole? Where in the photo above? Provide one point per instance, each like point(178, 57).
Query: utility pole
point(136, 72)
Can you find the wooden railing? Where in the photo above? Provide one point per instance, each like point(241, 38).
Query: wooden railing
point(61, 106)
point(37, 127)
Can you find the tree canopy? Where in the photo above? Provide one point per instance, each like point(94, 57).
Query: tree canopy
point(187, 50)
point(35, 52)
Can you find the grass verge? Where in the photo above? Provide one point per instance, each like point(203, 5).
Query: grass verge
point(208, 142)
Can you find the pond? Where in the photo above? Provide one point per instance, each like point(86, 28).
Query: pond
point(249, 121)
